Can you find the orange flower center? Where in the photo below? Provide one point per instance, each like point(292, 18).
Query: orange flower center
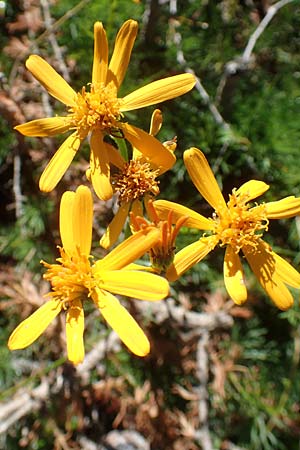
point(239, 225)
point(99, 108)
point(135, 180)
point(71, 278)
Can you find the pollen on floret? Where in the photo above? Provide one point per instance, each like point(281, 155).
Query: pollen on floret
point(98, 108)
point(135, 180)
point(70, 279)
point(240, 225)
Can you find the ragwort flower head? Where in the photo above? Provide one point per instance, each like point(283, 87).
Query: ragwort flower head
point(135, 182)
point(77, 278)
point(97, 111)
point(239, 227)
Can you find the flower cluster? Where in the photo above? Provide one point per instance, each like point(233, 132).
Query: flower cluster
point(98, 113)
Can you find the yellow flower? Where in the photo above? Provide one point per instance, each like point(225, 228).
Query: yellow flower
point(163, 251)
point(236, 226)
point(76, 278)
point(96, 111)
point(135, 183)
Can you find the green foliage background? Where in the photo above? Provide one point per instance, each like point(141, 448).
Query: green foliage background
point(261, 106)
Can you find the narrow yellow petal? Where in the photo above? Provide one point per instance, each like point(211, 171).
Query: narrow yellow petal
point(158, 91)
point(149, 146)
point(234, 276)
point(286, 272)
point(115, 156)
point(122, 52)
point(83, 219)
point(263, 265)
point(100, 169)
point(129, 250)
point(59, 163)
point(195, 220)
point(51, 80)
point(66, 221)
point(115, 227)
point(203, 178)
point(32, 327)
point(284, 208)
point(156, 122)
point(122, 323)
point(45, 127)
point(133, 283)
point(74, 332)
point(100, 62)
point(138, 156)
point(135, 266)
point(137, 207)
point(253, 189)
point(189, 256)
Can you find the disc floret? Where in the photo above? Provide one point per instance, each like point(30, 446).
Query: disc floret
point(240, 225)
point(72, 278)
point(98, 108)
point(135, 180)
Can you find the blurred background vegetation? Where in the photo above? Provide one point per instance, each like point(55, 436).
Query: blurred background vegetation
point(245, 118)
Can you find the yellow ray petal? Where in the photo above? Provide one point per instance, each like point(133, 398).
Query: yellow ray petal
point(158, 91)
point(100, 169)
point(284, 208)
point(45, 127)
point(286, 272)
point(59, 163)
point(115, 156)
point(133, 283)
point(122, 52)
point(234, 276)
point(51, 80)
point(189, 256)
point(195, 220)
point(263, 265)
point(134, 266)
point(100, 62)
point(203, 178)
point(83, 219)
point(150, 147)
point(253, 189)
point(66, 221)
point(122, 323)
point(32, 327)
point(138, 156)
point(137, 207)
point(156, 122)
point(74, 332)
point(129, 250)
point(115, 227)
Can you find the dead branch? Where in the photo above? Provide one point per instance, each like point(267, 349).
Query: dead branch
point(23, 403)
point(177, 39)
point(52, 39)
point(27, 400)
point(166, 310)
point(202, 434)
point(245, 61)
point(272, 10)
